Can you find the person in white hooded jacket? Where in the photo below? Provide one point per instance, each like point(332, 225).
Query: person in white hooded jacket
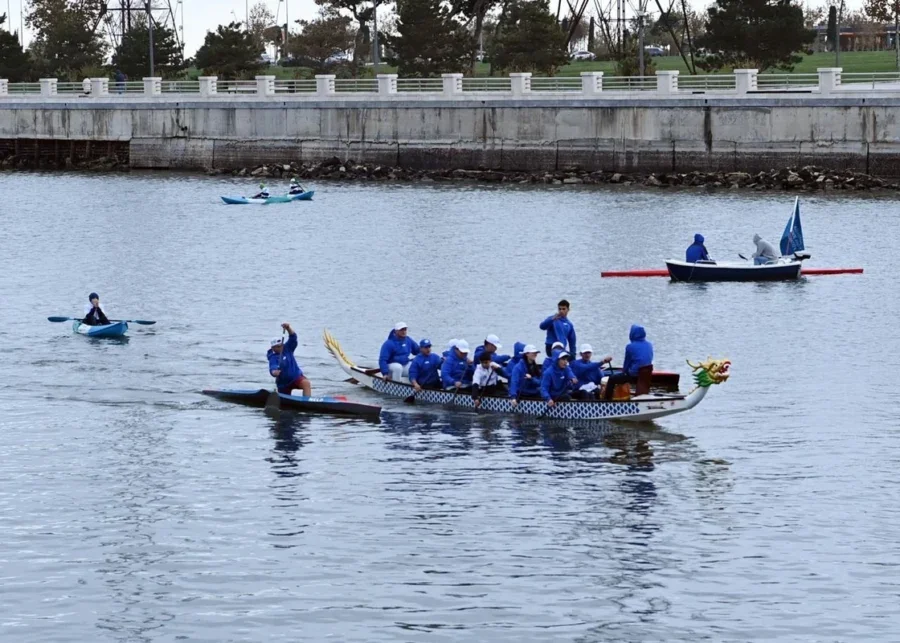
point(765, 251)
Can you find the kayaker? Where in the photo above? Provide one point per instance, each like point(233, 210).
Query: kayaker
point(396, 352)
point(588, 373)
point(485, 379)
point(765, 251)
point(93, 314)
point(425, 370)
point(525, 379)
point(284, 367)
point(559, 328)
point(455, 371)
point(558, 380)
point(491, 346)
point(296, 188)
point(696, 251)
point(638, 353)
point(263, 192)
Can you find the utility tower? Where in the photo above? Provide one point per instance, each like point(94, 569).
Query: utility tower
point(122, 14)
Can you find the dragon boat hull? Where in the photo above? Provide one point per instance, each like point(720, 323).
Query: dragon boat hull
point(636, 409)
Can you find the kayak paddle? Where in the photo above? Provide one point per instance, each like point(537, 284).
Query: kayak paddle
point(273, 402)
point(142, 322)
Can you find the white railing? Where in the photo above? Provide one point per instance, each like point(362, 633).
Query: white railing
point(519, 86)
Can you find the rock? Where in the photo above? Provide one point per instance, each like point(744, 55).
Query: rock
point(793, 179)
point(653, 181)
point(615, 178)
point(572, 180)
point(259, 171)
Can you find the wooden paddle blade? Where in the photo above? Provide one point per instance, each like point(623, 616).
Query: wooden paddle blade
point(410, 399)
point(273, 403)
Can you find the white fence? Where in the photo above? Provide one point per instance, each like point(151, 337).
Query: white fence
point(592, 84)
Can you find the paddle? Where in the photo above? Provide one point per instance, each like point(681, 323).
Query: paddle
point(143, 322)
point(743, 257)
point(273, 402)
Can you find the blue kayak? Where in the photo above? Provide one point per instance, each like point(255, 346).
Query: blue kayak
point(304, 196)
point(117, 329)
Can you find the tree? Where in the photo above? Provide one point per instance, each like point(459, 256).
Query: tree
point(229, 52)
point(363, 12)
point(66, 38)
point(529, 39)
point(475, 11)
point(319, 39)
point(261, 21)
point(15, 65)
point(764, 34)
point(884, 11)
point(831, 36)
point(132, 55)
point(429, 40)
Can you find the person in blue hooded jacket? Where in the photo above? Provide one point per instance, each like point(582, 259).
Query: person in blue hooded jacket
point(525, 379)
point(588, 373)
point(284, 367)
point(558, 380)
point(696, 251)
point(393, 361)
point(425, 370)
point(516, 358)
point(559, 329)
point(456, 372)
point(638, 353)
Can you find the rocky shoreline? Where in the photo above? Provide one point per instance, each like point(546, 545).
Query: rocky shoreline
point(808, 178)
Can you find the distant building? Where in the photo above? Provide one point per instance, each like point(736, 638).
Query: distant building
point(868, 37)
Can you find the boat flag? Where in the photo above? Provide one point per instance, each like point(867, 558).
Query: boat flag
point(792, 239)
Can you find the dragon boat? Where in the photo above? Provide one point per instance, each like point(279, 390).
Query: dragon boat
point(637, 408)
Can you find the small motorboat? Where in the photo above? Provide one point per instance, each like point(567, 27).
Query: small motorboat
point(257, 398)
point(115, 329)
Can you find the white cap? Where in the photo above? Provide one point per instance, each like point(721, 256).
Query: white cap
point(555, 344)
point(275, 342)
point(562, 354)
point(586, 348)
point(452, 343)
point(400, 326)
point(530, 349)
point(493, 339)
point(462, 346)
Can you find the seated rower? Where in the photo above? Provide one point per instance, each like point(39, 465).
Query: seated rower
point(554, 348)
point(93, 314)
point(588, 373)
point(696, 251)
point(485, 379)
point(765, 251)
point(515, 359)
point(396, 351)
point(296, 188)
point(284, 367)
point(557, 380)
point(263, 192)
point(455, 371)
point(425, 370)
point(491, 346)
point(638, 353)
point(525, 379)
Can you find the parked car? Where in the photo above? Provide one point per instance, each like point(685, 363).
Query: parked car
point(266, 58)
point(337, 58)
point(655, 50)
point(583, 55)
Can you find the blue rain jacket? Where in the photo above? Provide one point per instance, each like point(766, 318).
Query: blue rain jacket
point(556, 381)
point(586, 372)
point(455, 369)
point(290, 369)
point(426, 370)
point(696, 251)
point(516, 358)
point(396, 351)
point(519, 385)
point(560, 330)
point(639, 352)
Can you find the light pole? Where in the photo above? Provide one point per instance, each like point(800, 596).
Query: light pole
point(150, 32)
point(640, 17)
point(837, 36)
point(376, 59)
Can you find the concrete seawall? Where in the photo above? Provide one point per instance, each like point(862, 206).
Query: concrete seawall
point(750, 134)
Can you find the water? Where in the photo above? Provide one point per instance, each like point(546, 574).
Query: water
point(134, 509)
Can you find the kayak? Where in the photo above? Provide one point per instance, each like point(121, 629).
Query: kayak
point(242, 200)
point(327, 405)
point(117, 329)
point(305, 196)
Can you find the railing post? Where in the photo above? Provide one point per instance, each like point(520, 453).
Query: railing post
point(591, 82)
point(667, 82)
point(99, 87)
point(48, 86)
point(4, 87)
point(387, 84)
point(265, 85)
point(86, 85)
point(325, 84)
point(452, 84)
point(209, 85)
point(829, 79)
point(152, 86)
point(520, 83)
point(745, 80)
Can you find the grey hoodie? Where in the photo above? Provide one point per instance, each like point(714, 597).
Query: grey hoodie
point(764, 248)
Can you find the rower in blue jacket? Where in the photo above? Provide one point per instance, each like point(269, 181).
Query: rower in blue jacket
point(696, 251)
point(525, 379)
point(558, 380)
point(425, 370)
point(559, 329)
point(284, 367)
point(456, 372)
point(588, 373)
point(638, 353)
point(492, 345)
point(393, 361)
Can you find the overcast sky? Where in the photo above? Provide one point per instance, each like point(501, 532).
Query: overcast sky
point(201, 16)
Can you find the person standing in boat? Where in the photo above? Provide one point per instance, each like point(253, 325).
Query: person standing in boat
point(425, 370)
point(559, 329)
point(638, 353)
point(765, 251)
point(491, 346)
point(455, 371)
point(296, 188)
point(283, 365)
point(485, 380)
point(558, 380)
point(396, 353)
point(588, 373)
point(696, 251)
point(93, 313)
point(525, 379)
point(263, 192)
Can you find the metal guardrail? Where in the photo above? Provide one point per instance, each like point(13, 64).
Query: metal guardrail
point(353, 85)
point(711, 82)
point(871, 80)
point(556, 84)
point(786, 81)
point(295, 86)
point(180, 87)
point(489, 84)
point(420, 85)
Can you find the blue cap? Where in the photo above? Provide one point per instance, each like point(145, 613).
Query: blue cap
point(425, 343)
